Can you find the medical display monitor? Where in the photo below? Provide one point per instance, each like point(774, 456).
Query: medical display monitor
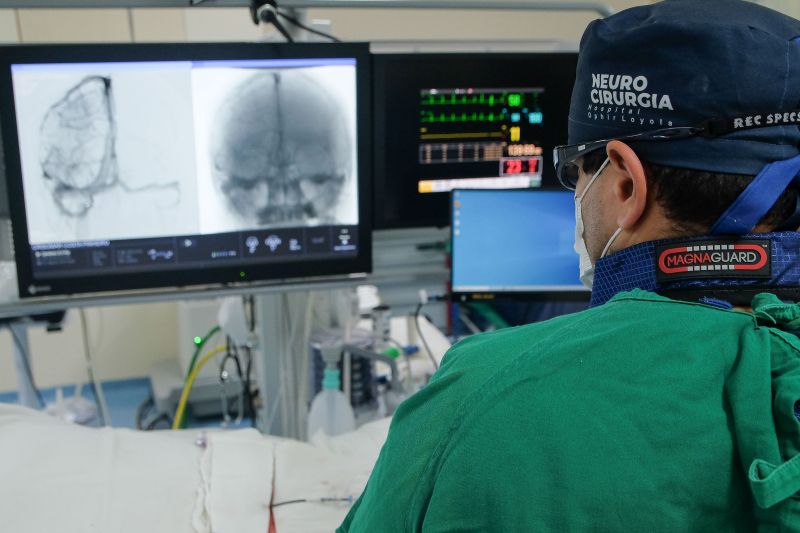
point(514, 244)
point(464, 121)
point(135, 166)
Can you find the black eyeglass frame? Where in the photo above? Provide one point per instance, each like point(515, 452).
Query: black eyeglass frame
point(564, 156)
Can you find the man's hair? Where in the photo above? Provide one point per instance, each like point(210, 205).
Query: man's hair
point(693, 200)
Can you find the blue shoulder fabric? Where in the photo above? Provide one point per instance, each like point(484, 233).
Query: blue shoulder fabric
point(758, 198)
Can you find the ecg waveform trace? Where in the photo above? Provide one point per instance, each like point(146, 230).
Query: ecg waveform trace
point(479, 125)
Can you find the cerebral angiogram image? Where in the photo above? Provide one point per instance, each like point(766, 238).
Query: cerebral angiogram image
point(107, 151)
point(78, 147)
point(281, 150)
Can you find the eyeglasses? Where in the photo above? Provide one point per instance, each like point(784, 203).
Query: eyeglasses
point(565, 157)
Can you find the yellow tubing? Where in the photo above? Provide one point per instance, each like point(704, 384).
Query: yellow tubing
point(187, 388)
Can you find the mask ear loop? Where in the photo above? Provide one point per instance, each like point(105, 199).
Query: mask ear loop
point(580, 198)
point(594, 178)
point(610, 242)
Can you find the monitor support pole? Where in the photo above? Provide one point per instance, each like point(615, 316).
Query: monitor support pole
point(25, 390)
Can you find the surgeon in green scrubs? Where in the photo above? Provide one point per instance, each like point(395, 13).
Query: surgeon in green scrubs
point(673, 403)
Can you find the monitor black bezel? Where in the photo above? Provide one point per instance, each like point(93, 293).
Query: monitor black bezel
point(381, 63)
point(576, 295)
point(229, 274)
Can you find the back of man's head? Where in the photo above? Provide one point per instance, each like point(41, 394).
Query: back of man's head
point(682, 63)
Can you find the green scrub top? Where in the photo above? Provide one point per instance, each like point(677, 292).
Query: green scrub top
point(644, 414)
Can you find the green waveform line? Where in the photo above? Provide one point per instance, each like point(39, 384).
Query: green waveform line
point(444, 118)
point(474, 99)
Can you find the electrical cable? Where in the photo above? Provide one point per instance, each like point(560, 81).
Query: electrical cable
point(197, 351)
point(246, 408)
point(404, 354)
point(27, 364)
point(99, 397)
point(267, 12)
point(422, 337)
point(251, 305)
point(223, 381)
point(187, 388)
point(348, 499)
point(163, 417)
point(302, 26)
point(251, 403)
point(199, 348)
point(231, 352)
point(143, 410)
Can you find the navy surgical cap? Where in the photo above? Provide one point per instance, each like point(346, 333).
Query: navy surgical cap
point(681, 62)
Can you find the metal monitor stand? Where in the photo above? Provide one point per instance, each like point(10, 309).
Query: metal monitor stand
point(26, 391)
point(282, 356)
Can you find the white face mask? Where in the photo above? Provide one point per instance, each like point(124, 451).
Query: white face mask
point(586, 265)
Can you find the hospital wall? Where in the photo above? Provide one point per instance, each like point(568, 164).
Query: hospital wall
point(127, 339)
point(790, 7)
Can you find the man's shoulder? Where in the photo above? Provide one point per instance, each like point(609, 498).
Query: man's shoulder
point(628, 314)
point(487, 351)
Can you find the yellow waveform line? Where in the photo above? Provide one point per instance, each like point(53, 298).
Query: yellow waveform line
point(460, 135)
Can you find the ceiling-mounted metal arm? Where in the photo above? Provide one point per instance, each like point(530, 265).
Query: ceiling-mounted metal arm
point(596, 7)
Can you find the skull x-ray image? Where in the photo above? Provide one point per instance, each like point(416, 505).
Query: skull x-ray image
point(281, 147)
point(106, 153)
point(282, 151)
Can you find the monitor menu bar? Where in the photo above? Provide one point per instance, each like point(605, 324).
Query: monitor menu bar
point(193, 251)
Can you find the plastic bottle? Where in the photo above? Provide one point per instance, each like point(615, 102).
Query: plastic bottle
point(330, 411)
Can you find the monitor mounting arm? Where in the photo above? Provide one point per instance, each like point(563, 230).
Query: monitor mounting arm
point(266, 11)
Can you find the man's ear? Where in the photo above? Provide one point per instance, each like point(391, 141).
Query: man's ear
point(629, 188)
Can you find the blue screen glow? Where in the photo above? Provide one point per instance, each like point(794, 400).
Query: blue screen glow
point(514, 241)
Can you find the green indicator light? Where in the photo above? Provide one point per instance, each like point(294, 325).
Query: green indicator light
point(198, 340)
point(514, 99)
point(242, 274)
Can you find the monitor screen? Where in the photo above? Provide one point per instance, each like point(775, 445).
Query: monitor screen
point(514, 243)
point(464, 121)
point(134, 166)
